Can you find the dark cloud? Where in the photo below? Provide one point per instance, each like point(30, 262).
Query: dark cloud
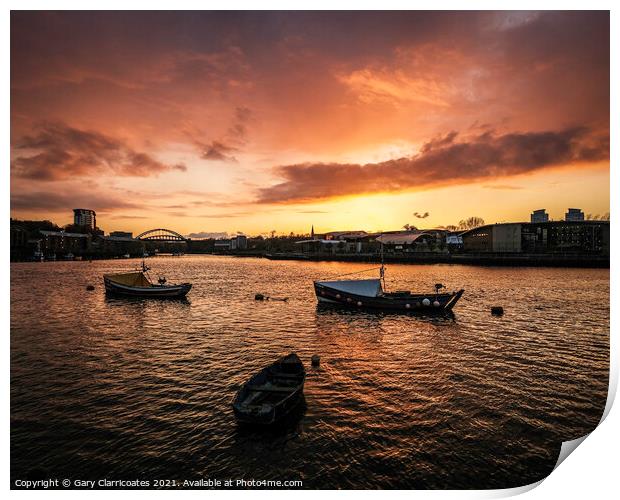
point(217, 150)
point(224, 148)
point(239, 128)
point(439, 142)
point(57, 151)
point(421, 216)
point(129, 217)
point(441, 162)
point(205, 235)
point(50, 201)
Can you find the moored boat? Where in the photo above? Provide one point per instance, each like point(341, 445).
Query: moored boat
point(272, 393)
point(370, 294)
point(138, 284)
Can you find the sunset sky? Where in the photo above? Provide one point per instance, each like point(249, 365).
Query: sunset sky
point(219, 122)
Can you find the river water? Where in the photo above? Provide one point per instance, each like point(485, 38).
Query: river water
point(141, 389)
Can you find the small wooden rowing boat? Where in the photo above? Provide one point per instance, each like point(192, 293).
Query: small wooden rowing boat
point(272, 393)
point(138, 284)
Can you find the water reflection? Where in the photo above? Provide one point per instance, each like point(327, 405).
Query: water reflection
point(287, 425)
point(326, 309)
point(123, 301)
point(145, 387)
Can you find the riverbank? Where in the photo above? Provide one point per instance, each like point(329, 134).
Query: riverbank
point(480, 259)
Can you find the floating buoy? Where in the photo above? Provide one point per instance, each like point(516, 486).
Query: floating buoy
point(497, 310)
point(316, 360)
point(436, 303)
point(259, 296)
point(90, 287)
point(426, 302)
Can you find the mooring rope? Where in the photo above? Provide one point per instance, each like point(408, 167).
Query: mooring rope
point(355, 272)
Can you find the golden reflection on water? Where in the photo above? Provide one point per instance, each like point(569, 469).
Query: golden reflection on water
point(144, 387)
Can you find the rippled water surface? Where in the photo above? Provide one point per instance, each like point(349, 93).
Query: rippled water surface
point(127, 389)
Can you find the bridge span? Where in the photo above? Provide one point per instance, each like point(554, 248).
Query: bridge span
point(161, 234)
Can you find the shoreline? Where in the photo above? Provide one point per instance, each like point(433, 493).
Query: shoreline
point(494, 259)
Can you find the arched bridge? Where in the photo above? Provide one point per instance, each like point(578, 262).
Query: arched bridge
point(160, 234)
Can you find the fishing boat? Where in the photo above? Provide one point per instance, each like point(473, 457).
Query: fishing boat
point(369, 293)
point(272, 393)
point(139, 284)
point(372, 294)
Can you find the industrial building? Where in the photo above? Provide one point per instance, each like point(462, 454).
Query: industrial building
point(121, 234)
point(61, 242)
point(583, 237)
point(361, 242)
point(408, 241)
point(239, 242)
point(337, 242)
point(222, 245)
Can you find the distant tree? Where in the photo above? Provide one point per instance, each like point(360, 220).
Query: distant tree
point(471, 223)
point(450, 227)
point(604, 216)
point(409, 227)
point(34, 226)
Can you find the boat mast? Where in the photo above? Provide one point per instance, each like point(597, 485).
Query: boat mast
point(382, 268)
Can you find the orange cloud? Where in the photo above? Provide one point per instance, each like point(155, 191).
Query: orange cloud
point(440, 161)
point(134, 94)
point(371, 85)
point(58, 152)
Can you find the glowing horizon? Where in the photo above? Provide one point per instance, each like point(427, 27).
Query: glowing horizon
point(226, 122)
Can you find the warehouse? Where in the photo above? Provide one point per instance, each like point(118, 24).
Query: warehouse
point(559, 237)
